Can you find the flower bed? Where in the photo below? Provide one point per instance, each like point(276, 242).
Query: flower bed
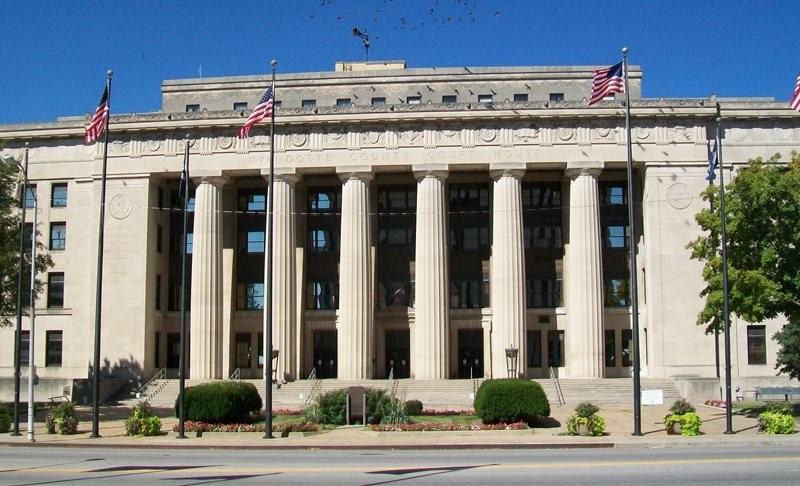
point(434, 427)
point(283, 429)
point(445, 413)
point(716, 403)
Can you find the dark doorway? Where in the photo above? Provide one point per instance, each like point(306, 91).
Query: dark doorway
point(173, 350)
point(470, 353)
point(398, 353)
point(325, 353)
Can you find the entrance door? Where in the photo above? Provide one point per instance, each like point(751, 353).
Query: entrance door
point(470, 353)
point(398, 353)
point(325, 353)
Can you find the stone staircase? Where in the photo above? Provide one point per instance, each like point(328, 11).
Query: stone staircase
point(435, 394)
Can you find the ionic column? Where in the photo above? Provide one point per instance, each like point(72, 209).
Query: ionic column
point(206, 305)
point(356, 302)
point(284, 284)
point(429, 340)
point(584, 274)
point(507, 272)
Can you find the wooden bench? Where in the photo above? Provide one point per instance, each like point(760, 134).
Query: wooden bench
point(788, 392)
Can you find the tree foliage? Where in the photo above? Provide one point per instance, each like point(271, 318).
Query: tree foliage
point(9, 249)
point(763, 233)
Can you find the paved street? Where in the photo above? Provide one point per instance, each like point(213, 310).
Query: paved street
point(181, 466)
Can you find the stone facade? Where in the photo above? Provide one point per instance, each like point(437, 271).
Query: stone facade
point(417, 230)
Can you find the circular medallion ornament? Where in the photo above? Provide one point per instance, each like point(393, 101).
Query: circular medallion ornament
point(566, 133)
point(679, 196)
point(642, 133)
point(488, 134)
point(299, 139)
point(120, 206)
point(153, 145)
point(225, 142)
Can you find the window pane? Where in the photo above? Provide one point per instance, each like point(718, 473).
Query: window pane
point(449, 99)
point(534, 349)
point(53, 348)
point(58, 236)
point(520, 97)
point(555, 349)
point(55, 290)
point(617, 292)
point(255, 242)
point(24, 348)
point(756, 345)
point(308, 103)
point(30, 196)
point(59, 195)
point(627, 347)
point(378, 101)
point(611, 348)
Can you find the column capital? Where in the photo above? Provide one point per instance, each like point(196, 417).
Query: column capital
point(497, 173)
point(363, 172)
point(438, 171)
point(290, 176)
point(217, 180)
point(576, 168)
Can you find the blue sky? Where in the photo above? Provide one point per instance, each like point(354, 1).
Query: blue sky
point(55, 53)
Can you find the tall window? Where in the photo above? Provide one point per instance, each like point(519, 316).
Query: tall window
point(617, 292)
point(543, 293)
point(321, 295)
point(55, 290)
point(250, 295)
point(53, 348)
point(58, 236)
point(615, 236)
point(756, 345)
point(555, 349)
point(627, 347)
point(611, 348)
point(534, 339)
point(158, 292)
point(252, 241)
point(30, 195)
point(58, 196)
point(159, 237)
point(243, 350)
point(24, 348)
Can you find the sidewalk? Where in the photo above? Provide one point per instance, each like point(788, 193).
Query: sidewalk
point(619, 430)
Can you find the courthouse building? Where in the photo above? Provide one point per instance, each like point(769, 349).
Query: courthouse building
point(425, 220)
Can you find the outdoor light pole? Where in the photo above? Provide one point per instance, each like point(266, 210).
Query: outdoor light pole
point(511, 360)
point(20, 271)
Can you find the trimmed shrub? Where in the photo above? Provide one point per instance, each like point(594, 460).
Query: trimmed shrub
point(511, 400)
point(5, 418)
point(414, 407)
point(220, 402)
point(142, 421)
point(331, 407)
point(777, 420)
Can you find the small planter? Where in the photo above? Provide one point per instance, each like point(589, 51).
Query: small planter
point(583, 429)
point(676, 428)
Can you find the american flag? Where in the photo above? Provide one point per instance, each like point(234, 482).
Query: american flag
point(260, 112)
point(98, 122)
point(713, 162)
point(795, 104)
point(605, 82)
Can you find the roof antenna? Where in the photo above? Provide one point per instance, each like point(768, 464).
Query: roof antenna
point(364, 36)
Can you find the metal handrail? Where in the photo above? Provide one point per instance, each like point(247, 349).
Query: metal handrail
point(236, 375)
point(160, 375)
point(311, 389)
point(557, 387)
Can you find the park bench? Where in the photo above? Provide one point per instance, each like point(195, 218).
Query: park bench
point(787, 392)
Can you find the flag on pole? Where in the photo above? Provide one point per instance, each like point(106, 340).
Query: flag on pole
point(795, 104)
point(606, 81)
point(713, 162)
point(98, 122)
point(260, 112)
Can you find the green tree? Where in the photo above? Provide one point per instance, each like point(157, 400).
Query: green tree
point(763, 232)
point(10, 218)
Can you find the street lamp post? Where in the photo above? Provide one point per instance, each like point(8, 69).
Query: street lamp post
point(511, 360)
point(18, 334)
